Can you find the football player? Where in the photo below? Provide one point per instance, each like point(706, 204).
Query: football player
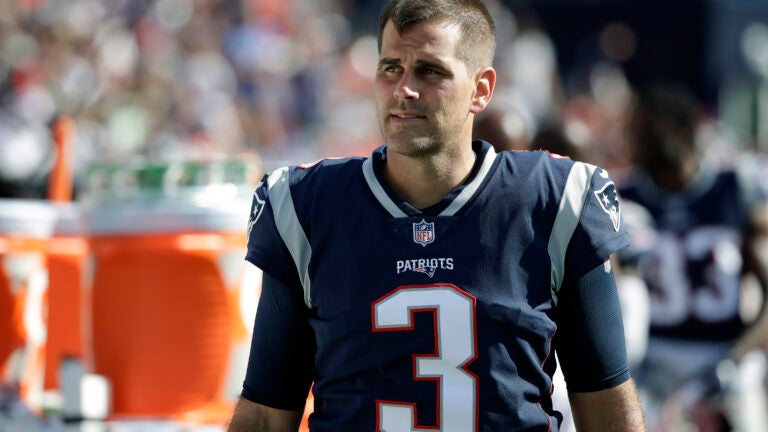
point(428, 286)
point(702, 230)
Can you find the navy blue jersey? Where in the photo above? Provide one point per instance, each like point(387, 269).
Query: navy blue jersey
point(690, 252)
point(441, 318)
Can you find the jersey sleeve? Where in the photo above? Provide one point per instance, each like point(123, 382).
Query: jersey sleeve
point(590, 334)
point(281, 362)
point(750, 178)
point(266, 248)
point(600, 230)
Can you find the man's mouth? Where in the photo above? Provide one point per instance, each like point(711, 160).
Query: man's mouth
point(406, 116)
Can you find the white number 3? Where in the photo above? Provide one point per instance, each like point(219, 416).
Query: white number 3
point(455, 349)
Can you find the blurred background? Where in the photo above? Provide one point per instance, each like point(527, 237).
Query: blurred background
point(290, 80)
point(132, 133)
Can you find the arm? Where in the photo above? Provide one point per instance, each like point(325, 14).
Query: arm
point(614, 409)
point(592, 351)
point(756, 263)
point(281, 363)
point(253, 417)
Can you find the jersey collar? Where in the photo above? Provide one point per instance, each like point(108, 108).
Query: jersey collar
point(449, 205)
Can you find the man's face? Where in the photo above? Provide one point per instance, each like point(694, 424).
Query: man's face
point(424, 92)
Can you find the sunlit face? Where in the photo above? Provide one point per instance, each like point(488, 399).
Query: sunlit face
point(424, 92)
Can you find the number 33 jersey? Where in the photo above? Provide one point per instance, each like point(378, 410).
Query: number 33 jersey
point(688, 247)
point(439, 318)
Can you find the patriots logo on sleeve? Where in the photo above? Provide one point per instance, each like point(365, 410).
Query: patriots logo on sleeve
point(609, 202)
point(256, 208)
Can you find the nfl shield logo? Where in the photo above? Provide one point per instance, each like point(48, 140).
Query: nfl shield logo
point(424, 232)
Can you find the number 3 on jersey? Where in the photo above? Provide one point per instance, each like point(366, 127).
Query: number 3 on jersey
point(455, 349)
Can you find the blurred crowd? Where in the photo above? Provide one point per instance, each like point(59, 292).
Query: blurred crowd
point(287, 80)
point(181, 79)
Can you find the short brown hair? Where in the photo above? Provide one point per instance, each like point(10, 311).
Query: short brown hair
point(478, 42)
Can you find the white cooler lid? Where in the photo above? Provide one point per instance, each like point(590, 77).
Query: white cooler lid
point(27, 217)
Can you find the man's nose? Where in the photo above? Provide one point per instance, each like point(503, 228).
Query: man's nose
point(406, 87)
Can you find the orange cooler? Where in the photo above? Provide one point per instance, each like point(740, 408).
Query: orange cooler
point(25, 227)
point(172, 299)
point(68, 311)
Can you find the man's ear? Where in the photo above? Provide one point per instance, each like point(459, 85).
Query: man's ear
point(485, 82)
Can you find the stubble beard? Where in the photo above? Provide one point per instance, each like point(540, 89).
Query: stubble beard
point(413, 147)
point(412, 141)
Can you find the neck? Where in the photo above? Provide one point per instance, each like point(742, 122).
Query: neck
point(424, 180)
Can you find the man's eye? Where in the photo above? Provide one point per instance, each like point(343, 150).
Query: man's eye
point(390, 69)
point(429, 71)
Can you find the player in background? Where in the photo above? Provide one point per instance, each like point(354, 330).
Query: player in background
point(429, 285)
point(697, 231)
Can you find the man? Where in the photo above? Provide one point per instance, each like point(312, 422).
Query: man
point(699, 234)
point(425, 287)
